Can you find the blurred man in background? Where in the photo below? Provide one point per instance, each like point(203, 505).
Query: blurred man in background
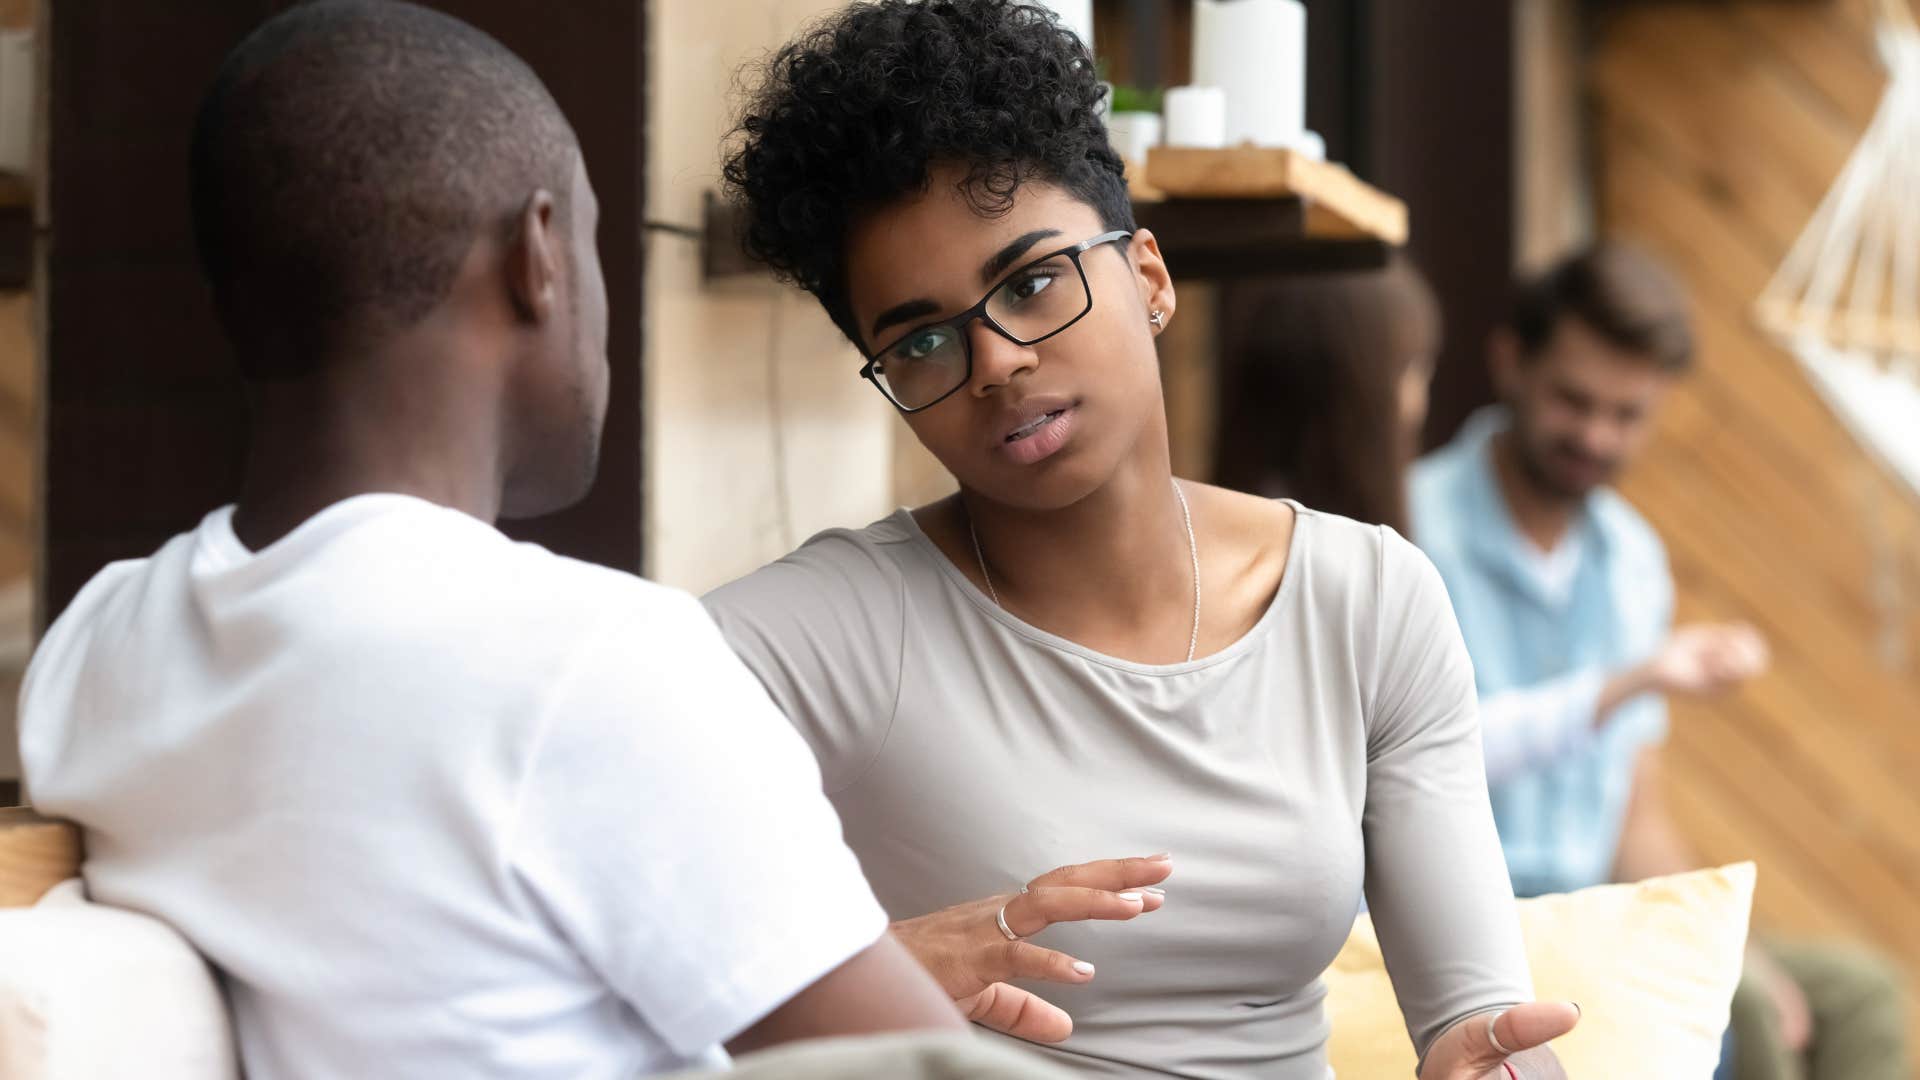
point(1564, 595)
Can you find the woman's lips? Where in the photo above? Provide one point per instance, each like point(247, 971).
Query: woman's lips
point(1040, 438)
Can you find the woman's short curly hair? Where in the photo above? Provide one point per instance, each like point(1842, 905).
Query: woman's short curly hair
point(852, 114)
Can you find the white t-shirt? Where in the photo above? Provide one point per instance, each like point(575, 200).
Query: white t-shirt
point(1554, 570)
point(440, 804)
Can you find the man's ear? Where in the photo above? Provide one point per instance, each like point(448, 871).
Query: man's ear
point(533, 260)
point(1150, 274)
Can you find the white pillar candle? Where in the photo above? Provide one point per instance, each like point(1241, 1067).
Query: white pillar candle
point(1256, 51)
point(1075, 15)
point(1196, 116)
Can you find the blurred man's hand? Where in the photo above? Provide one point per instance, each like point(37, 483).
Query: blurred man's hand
point(1706, 659)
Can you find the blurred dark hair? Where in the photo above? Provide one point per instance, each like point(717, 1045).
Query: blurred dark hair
point(1310, 387)
point(1631, 301)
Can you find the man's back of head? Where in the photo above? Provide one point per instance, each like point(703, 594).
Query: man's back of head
point(371, 177)
point(343, 162)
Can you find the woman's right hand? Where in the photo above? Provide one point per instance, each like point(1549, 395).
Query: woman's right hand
point(970, 958)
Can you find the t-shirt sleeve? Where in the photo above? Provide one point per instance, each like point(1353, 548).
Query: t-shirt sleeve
point(824, 631)
point(671, 824)
point(1437, 882)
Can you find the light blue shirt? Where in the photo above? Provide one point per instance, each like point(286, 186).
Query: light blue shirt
point(1560, 783)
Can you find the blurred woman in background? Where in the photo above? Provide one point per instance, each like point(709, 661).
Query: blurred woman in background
point(1323, 388)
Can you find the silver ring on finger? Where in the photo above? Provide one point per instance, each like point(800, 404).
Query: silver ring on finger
point(1492, 1018)
point(1000, 917)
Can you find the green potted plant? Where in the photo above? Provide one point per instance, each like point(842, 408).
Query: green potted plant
point(1133, 122)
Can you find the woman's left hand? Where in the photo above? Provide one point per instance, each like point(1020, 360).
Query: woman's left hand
point(1513, 1046)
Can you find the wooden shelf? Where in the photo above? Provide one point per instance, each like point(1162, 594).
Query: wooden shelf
point(1338, 204)
point(1212, 239)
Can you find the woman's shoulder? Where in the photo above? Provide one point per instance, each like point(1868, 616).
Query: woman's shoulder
point(1251, 528)
point(1332, 558)
point(1246, 543)
point(834, 564)
point(1299, 534)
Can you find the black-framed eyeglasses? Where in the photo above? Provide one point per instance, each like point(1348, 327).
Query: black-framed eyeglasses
point(1030, 305)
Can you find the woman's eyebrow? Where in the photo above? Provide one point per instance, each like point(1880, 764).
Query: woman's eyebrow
point(992, 268)
point(1004, 257)
point(899, 313)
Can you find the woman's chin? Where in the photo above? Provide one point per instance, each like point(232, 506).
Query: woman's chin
point(1054, 484)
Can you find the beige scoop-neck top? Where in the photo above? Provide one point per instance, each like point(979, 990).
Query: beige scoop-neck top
point(1335, 744)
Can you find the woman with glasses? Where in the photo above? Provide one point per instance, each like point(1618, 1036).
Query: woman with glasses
point(1079, 655)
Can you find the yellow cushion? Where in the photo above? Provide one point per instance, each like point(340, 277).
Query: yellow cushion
point(1652, 965)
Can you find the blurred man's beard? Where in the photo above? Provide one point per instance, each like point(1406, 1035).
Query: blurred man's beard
point(1537, 465)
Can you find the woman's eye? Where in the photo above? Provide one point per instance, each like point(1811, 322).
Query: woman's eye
point(1027, 288)
point(921, 345)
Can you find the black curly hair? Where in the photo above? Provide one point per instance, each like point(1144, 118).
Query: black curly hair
point(852, 114)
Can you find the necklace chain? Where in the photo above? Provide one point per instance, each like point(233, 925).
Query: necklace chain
point(1193, 552)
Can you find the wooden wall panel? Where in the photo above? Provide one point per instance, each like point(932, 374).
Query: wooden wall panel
point(1719, 126)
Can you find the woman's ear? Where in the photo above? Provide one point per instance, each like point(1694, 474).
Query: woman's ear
point(1150, 274)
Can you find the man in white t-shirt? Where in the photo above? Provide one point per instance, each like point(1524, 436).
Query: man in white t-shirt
point(433, 802)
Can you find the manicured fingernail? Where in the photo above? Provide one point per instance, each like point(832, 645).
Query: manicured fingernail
point(1156, 890)
point(1131, 897)
point(1162, 857)
point(1083, 967)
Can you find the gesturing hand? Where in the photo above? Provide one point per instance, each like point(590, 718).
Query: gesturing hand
point(1709, 659)
point(1506, 1046)
point(971, 958)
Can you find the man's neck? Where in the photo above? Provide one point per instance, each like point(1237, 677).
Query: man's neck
point(330, 437)
point(1542, 517)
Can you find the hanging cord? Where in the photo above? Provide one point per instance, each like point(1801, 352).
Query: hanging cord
point(777, 425)
point(1833, 282)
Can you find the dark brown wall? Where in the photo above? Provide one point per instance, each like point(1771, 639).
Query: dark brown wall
point(142, 418)
point(1417, 98)
point(1438, 132)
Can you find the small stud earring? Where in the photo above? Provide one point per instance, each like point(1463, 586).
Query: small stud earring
point(1157, 318)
